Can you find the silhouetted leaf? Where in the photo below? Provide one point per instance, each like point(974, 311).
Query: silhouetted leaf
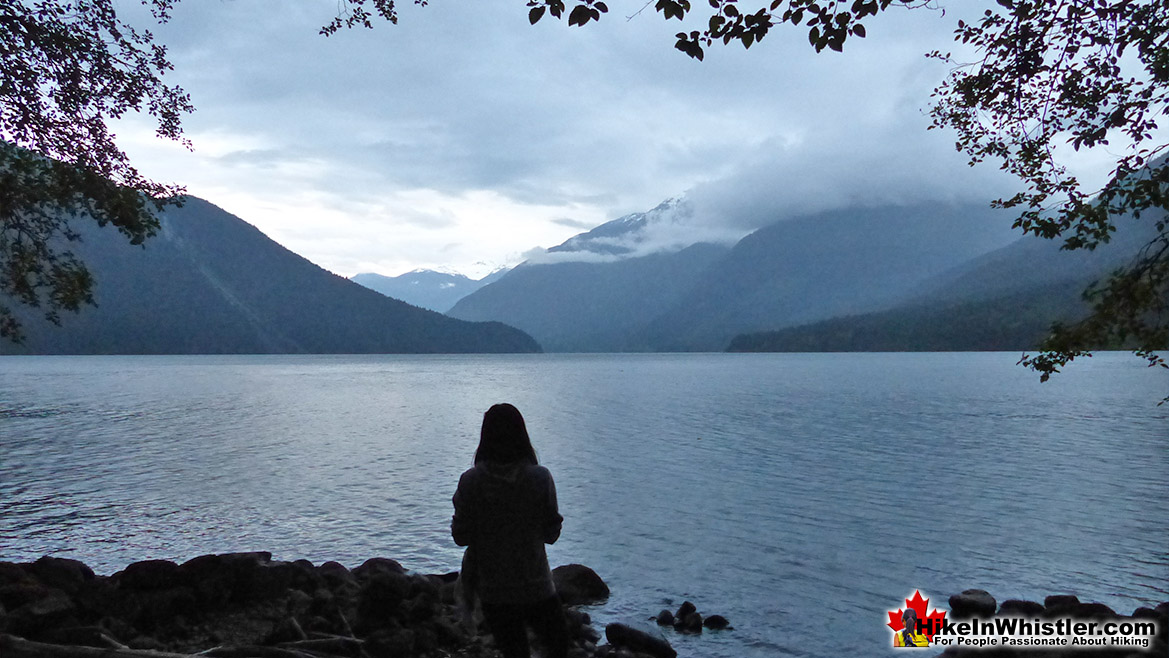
point(579, 16)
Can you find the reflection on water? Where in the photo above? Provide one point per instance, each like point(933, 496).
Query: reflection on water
point(799, 495)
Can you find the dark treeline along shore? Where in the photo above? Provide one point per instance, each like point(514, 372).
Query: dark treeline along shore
point(246, 605)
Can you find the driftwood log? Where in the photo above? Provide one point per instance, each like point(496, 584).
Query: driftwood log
point(254, 651)
point(16, 647)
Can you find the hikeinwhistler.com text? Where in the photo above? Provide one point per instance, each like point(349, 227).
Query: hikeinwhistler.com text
point(1063, 632)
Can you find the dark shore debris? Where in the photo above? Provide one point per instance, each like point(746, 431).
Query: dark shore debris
point(687, 619)
point(246, 605)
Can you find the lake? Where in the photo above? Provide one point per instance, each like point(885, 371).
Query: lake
point(799, 495)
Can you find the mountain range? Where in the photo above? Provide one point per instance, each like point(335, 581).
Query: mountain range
point(790, 272)
point(924, 276)
point(437, 291)
point(1004, 300)
point(211, 283)
point(591, 306)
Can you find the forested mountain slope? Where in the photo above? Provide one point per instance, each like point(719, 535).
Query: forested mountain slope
point(211, 283)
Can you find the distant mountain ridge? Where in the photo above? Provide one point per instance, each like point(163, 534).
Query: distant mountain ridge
point(588, 306)
point(211, 283)
point(593, 292)
point(824, 265)
point(436, 291)
point(698, 298)
point(1004, 300)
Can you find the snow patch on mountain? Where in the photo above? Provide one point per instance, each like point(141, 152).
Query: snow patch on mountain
point(671, 226)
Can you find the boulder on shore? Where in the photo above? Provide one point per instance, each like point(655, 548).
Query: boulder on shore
point(972, 603)
point(637, 641)
point(579, 585)
point(717, 623)
point(691, 623)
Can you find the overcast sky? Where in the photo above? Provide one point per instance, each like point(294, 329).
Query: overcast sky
point(463, 137)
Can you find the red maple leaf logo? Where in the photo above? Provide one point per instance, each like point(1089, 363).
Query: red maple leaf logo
point(930, 624)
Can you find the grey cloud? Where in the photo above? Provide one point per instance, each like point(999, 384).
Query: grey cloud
point(572, 223)
point(469, 96)
point(542, 257)
point(535, 253)
point(671, 226)
point(421, 219)
point(263, 158)
point(890, 169)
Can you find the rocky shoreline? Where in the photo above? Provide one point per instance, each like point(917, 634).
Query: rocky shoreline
point(979, 604)
point(246, 605)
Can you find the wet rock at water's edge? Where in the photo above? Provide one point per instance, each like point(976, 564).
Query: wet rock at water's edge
point(579, 585)
point(638, 641)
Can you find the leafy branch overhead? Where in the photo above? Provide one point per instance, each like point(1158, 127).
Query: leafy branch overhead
point(1079, 76)
point(68, 68)
point(829, 23)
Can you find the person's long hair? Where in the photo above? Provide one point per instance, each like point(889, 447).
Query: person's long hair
point(504, 436)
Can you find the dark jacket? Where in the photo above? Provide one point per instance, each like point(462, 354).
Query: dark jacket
point(505, 513)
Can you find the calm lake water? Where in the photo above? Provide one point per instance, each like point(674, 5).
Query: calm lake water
point(801, 496)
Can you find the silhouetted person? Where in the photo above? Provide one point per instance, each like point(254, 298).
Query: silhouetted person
point(505, 511)
point(909, 637)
